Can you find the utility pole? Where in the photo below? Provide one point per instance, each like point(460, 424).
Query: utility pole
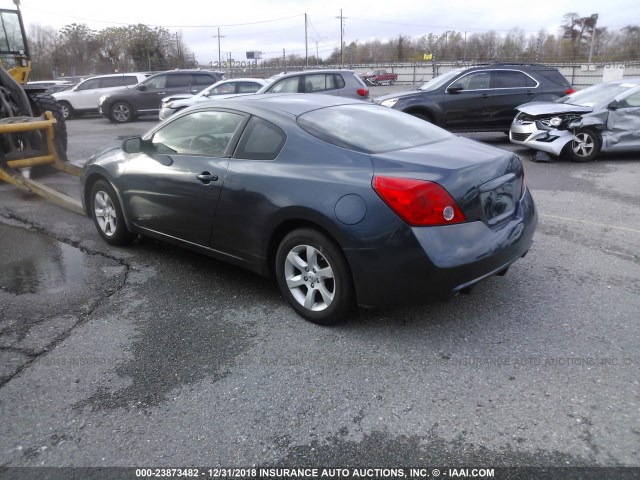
point(317, 51)
point(593, 34)
point(178, 54)
point(306, 42)
point(464, 56)
point(341, 38)
point(219, 57)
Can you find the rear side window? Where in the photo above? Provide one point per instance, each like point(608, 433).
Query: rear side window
point(261, 140)
point(178, 81)
point(248, 87)
point(322, 82)
point(554, 76)
point(512, 79)
point(318, 83)
point(338, 81)
point(129, 80)
point(108, 82)
point(202, 79)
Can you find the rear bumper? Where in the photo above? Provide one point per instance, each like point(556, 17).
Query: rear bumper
point(427, 263)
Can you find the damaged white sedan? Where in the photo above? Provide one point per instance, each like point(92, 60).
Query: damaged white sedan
point(601, 118)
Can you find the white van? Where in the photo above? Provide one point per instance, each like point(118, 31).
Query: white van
point(83, 98)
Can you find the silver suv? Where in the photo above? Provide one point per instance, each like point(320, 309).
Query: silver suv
point(83, 98)
point(344, 83)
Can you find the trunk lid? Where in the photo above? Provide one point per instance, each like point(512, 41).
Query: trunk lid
point(486, 182)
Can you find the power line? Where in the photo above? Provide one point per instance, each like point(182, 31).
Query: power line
point(169, 26)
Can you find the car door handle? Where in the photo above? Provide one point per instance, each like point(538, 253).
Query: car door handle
point(207, 178)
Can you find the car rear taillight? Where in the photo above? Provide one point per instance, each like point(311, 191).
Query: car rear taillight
point(570, 90)
point(420, 203)
point(363, 92)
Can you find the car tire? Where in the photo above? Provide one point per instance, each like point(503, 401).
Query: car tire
point(121, 112)
point(314, 277)
point(107, 214)
point(586, 149)
point(422, 116)
point(66, 109)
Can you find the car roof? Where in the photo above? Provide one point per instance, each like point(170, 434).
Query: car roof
point(533, 66)
point(290, 103)
point(622, 81)
point(320, 70)
point(178, 71)
point(242, 79)
point(107, 75)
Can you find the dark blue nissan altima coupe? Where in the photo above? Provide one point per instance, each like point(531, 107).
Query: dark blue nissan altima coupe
point(345, 202)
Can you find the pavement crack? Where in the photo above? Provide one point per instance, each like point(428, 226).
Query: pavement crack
point(103, 296)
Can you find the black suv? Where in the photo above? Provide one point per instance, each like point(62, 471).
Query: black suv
point(480, 99)
point(124, 105)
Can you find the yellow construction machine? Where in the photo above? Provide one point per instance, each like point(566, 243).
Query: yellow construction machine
point(32, 128)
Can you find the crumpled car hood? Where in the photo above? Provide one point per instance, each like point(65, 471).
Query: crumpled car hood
point(537, 109)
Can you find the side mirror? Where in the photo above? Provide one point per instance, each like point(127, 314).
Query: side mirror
point(142, 88)
point(132, 145)
point(137, 145)
point(455, 88)
point(615, 105)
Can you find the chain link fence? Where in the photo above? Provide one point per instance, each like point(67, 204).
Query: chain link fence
point(580, 75)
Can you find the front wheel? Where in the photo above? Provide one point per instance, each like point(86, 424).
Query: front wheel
point(314, 277)
point(121, 112)
point(107, 214)
point(585, 148)
point(66, 109)
point(422, 116)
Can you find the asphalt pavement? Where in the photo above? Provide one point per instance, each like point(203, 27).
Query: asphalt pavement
point(151, 355)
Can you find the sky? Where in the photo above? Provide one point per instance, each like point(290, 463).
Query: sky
point(269, 26)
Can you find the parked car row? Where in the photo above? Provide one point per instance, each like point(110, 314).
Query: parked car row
point(174, 103)
point(534, 104)
point(83, 98)
point(123, 97)
point(521, 100)
point(138, 93)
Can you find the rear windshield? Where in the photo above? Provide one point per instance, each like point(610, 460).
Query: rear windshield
point(370, 128)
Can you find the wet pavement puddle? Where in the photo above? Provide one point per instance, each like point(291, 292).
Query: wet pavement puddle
point(32, 262)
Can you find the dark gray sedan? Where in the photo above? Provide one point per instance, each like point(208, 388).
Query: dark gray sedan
point(344, 202)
